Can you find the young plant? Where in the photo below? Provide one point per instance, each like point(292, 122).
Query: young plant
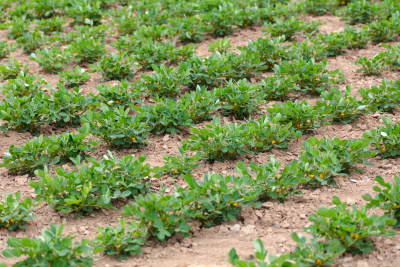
point(371, 66)
point(66, 108)
point(12, 69)
point(385, 139)
point(120, 95)
point(268, 133)
point(117, 128)
point(122, 241)
point(5, 49)
point(48, 26)
point(24, 114)
point(199, 104)
point(340, 106)
point(221, 20)
point(162, 215)
point(219, 142)
point(165, 117)
point(25, 84)
point(311, 77)
point(52, 248)
point(52, 60)
point(190, 29)
point(353, 227)
point(384, 97)
point(15, 212)
point(115, 66)
point(268, 182)
point(387, 198)
point(220, 46)
point(164, 82)
point(286, 27)
point(42, 151)
point(32, 41)
point(74, 77)
point(302, 115)
point(216, 199)
point(278, 87)
point(88, 49)
point(80, 192)
point(180, 165)
point(270, 50)
point(18, 26)
point(85, 12)
point(152, 53)
point(240, 99)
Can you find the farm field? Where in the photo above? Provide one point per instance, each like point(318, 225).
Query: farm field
point(185, 133)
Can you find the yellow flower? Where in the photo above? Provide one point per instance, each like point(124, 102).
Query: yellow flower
point(319, 261)
point(356, 236)
point(342, 114)
point(321, 175)
point(312, 175)
point(121, 188)
point(235, 204)
point(273, 142)
point(176, 171)
point(133, 138)
point(377, 101)
point(19, 215)
point(117, 247)
point(118, 102)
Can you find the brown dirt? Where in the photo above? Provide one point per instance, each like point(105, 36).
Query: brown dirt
point(273, 222)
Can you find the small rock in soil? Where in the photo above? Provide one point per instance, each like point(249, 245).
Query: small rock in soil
point(235, 228)
point(285, 224)
point(362, 264)
point(165, 138)
point(249, 229)
point(303, 216)
point(268, 205)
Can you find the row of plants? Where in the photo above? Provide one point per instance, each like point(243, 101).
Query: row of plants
point(389, 59)
point(159, 216)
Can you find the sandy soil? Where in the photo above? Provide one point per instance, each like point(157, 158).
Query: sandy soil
point(273, 222)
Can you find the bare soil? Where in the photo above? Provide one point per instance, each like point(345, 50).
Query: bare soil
point(273, 222)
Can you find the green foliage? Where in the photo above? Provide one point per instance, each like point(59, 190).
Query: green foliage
point(12, 69)
point(260, 256)
point(373, 66)
point(24, 84)
point(165, 117)
point(384, 97)
point(339, 106)
point(387, 198)
point(52, 60)
point(302, 115)
point(220, 46)
point(18, 26)
point(117, 128)
point(48, 26)
point(152, 53)
point(216, 199)
point(268, 132)
point(88, 49)
point(85, 12)
point(200, 104)
point(51, 249)
point(289, 27)
point(164, 82)
point(311, 77)
point(74, 77)
point(221, 20)
point(190, 29)
point(182, 164)
point(42, 151)
point(219, 142)
point(26, 113)
point(240, 98)
point(32, 41)
point(268, 182)
point(162, 215)
point(318, 7)
point(270, 50)
point(324, 158)
point(385, 139)
point(15, 212)
point(123, 94)
point(353, 227)
point(278, 87)
point(115, 66)
point(46, 8)
point(122, 241)
point(5, 49)
point(382, 30)
point(66, 107)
